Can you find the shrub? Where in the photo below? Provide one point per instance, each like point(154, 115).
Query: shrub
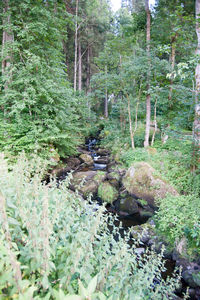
point(54, 244)
point(179, 217)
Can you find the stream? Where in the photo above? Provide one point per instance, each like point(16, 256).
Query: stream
point(95, 165)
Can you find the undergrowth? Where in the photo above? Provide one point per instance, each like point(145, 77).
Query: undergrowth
point(178, 219)
point(54, 245)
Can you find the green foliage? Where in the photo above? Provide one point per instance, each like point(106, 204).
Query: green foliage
point(107, 192)
point(178, 217)
point(62, 245)
point(131, 156)
point(39, 107)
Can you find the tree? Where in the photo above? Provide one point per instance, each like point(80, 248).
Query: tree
point(148, 97)
point(7, 38)
point(76, 45)
point(197, 77)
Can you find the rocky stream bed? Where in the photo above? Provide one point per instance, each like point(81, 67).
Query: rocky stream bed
point(130, 194)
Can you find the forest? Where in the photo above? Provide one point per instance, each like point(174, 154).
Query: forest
point(100, 150)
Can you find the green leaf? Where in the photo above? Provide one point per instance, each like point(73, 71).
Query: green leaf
point(82, 290)
point(92, 285)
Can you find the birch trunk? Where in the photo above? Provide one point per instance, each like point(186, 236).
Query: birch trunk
point(148, 98)
point(79, 67)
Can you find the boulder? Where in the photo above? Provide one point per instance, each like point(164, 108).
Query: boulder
point(142, 182)
point(54, 157)
point(113, 175)
point(190, 269)
point(143, 232)
point(83, 182)
point(99, 177)
point(128, 205)
point(87, 159)
point(102, 152)
point(107, 192)
point(87, 182)
point(114, 179)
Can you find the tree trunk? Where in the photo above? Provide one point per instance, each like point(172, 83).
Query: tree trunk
point(88, 71)
point(79, 66)
point(76, 46)
point(106, 96)
point(173, 59)
point(7, 38)
point(148, 98)
point(196, 131)
point(155, 123)
point(130, 123)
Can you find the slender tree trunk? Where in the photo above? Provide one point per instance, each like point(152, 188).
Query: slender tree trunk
point(79, 66)
point(196, 131)
point(106, 96)
point(148, 98)
point(155, 123)
point(8, 37)
point(173, 59)
point(88, 71)
point(76, 46)
point(130, 122)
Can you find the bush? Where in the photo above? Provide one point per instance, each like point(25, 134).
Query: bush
point(54, 244)
point(179, 217)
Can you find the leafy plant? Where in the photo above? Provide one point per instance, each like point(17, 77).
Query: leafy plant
point(178, 217)
point(62, 248)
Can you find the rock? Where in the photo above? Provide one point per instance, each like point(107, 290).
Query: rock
point(99, 177)
point(141, 181)
point(129, 205)
point(107, 192)
point(114, 179)
point(146, 214)
point(83, 182)
point(113, 175)
point(103, 161)
point(87, 182)
point(83, 149)
point(87, 159)
point(192, 278)
point(59, 169)
point(143, 232)
point(190, 270)
point(79, 176)
point(89, 188)
point(54, 157)
point(102, 152)
point(142, 203)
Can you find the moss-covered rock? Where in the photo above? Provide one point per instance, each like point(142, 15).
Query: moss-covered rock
point(107, 192)
point(100, 177)
point(87, 159)
point(141, 181)
point(129, 205)
point(87, 182)
point(84, 183)
point(113, 175)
